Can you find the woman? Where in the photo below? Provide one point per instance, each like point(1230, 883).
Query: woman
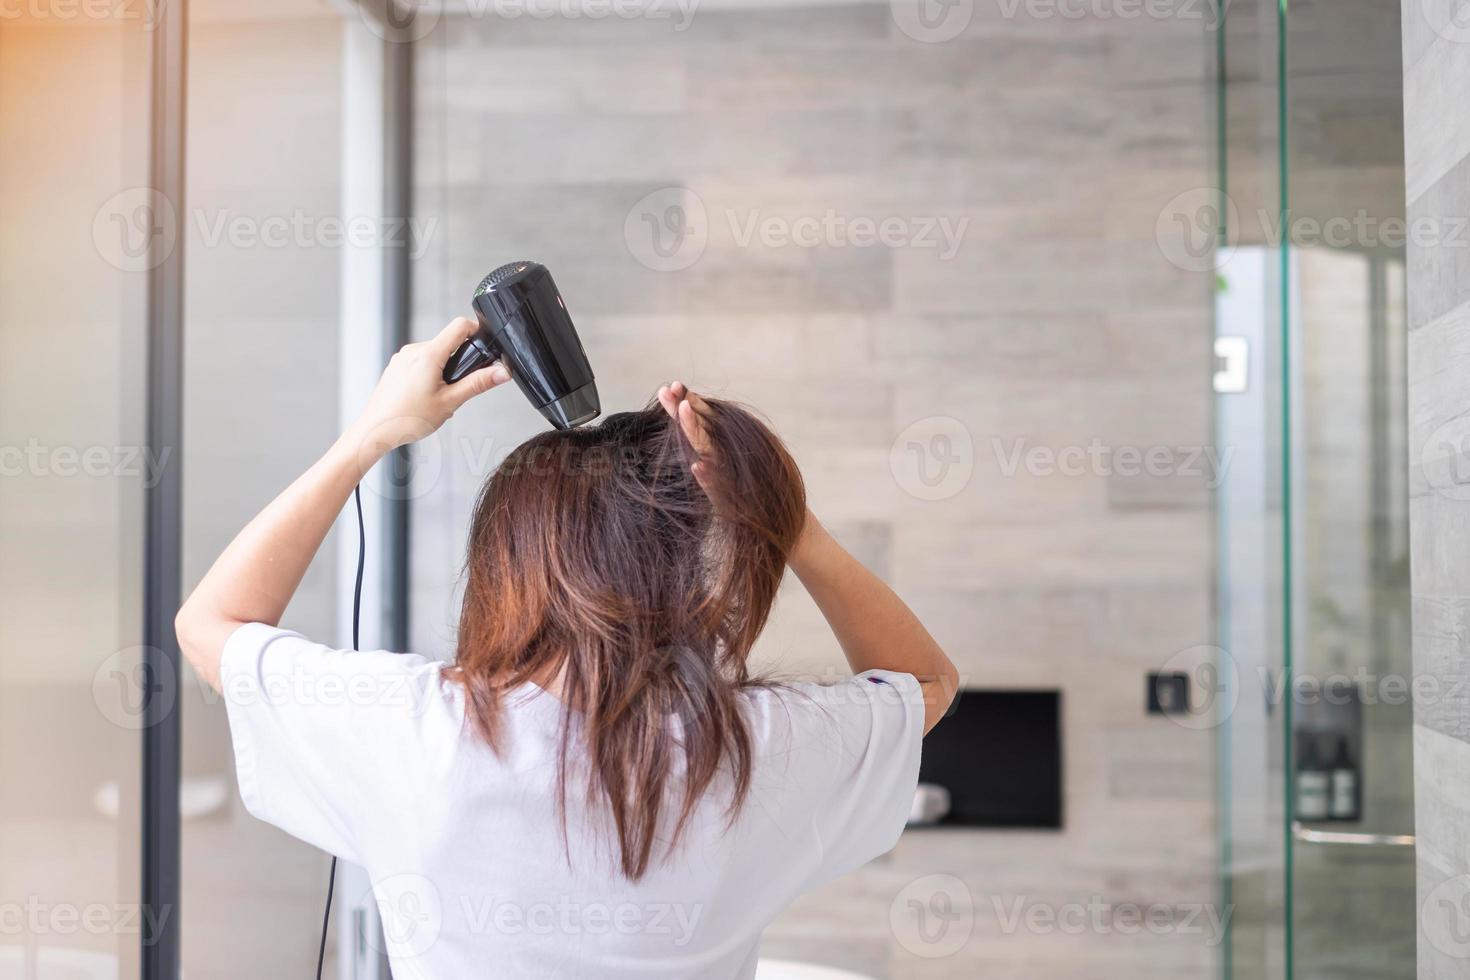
point(595, 788)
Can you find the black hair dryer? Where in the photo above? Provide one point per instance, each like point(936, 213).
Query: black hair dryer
point(524, 322)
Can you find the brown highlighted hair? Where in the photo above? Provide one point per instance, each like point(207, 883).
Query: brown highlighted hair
point(597, 561)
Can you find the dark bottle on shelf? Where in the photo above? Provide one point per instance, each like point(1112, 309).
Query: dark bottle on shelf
point(1313, 783)
point(1343, 804)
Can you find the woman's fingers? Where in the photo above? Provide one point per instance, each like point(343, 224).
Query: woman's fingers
point(447, 341)
point(693, 426)
point(477, 383)
point(687, 409)
point(669, 401)
point(702, 476)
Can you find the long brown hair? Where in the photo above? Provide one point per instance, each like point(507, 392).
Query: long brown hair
point(596, 558)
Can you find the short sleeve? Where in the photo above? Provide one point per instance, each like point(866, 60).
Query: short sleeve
point(319, 733)
point(866, 739)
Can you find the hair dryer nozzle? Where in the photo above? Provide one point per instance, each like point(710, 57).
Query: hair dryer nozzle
point(574, 408)
point(524, 322)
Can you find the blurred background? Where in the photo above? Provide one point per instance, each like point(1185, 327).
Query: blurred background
point(1086, 320)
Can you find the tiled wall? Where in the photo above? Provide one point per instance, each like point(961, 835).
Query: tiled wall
point(1055, 324)
point(1437, 157)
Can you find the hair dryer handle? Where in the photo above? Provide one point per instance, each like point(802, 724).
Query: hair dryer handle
point(471, 356)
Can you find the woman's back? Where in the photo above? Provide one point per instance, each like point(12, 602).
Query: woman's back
point(595, 786)
point(371, 756)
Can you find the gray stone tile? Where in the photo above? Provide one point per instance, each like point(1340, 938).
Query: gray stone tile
point(1440, 267)
point(1443, 851)
point(1431, 96)
point(1442, 664)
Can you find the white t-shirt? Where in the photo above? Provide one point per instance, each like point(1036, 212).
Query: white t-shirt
point(369, 756)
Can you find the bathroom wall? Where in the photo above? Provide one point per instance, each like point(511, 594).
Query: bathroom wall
point(969, 416)
point(1437, 155)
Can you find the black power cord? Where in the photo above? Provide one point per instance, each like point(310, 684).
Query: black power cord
point(321, 952)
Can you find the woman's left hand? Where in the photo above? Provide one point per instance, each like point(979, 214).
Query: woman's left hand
point(687, 408)
point(411, 399)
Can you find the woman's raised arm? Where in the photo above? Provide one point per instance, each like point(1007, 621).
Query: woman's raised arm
point(255, 577)
point(874, 627)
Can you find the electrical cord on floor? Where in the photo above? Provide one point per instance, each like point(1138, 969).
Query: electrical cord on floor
point(321, 952)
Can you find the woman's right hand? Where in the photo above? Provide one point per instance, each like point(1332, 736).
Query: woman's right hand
point(411, 399)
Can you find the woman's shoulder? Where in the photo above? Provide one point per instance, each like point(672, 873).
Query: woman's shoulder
point(803, 708)
point(860, 690)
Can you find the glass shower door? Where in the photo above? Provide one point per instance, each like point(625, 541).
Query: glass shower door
point(1316, 789)
point(1352, 864)
point(1353, 859)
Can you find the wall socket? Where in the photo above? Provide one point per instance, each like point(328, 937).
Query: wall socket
point(1168, 693)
